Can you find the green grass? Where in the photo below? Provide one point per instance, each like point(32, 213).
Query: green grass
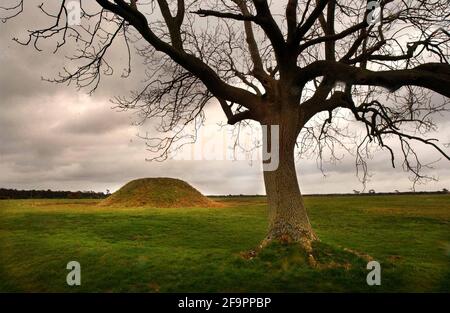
point(196, 249)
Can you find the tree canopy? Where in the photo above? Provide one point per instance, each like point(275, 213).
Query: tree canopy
point(383, 61)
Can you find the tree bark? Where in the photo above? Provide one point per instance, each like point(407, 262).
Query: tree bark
point(288, 219)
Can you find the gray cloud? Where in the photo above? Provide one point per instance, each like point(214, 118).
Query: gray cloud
point(52, 136)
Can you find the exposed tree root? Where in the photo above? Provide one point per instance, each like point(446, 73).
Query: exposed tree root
point(315, 254)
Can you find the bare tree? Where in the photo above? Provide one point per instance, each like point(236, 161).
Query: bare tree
point(314, 57)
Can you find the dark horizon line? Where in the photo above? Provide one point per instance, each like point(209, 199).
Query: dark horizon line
point(367, 193)
point(342, 194)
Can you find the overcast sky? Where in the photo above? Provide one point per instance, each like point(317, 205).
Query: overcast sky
point(53, 136)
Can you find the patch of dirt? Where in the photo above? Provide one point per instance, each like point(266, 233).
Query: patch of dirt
point(333, 265)
point(248, 255)
point(394, 258)
point(154, 287)
point(359, 254)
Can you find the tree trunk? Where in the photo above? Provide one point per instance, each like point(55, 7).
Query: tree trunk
point(288, 219)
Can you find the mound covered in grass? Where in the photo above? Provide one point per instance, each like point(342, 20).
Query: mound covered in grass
point(158, 192)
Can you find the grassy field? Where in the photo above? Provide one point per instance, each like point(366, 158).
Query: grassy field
point(196, 249)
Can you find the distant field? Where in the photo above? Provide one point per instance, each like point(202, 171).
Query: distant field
point(196, 249)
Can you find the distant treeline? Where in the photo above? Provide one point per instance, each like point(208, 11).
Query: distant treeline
point(439, 192)
point(406, 193)
point(49, 194)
